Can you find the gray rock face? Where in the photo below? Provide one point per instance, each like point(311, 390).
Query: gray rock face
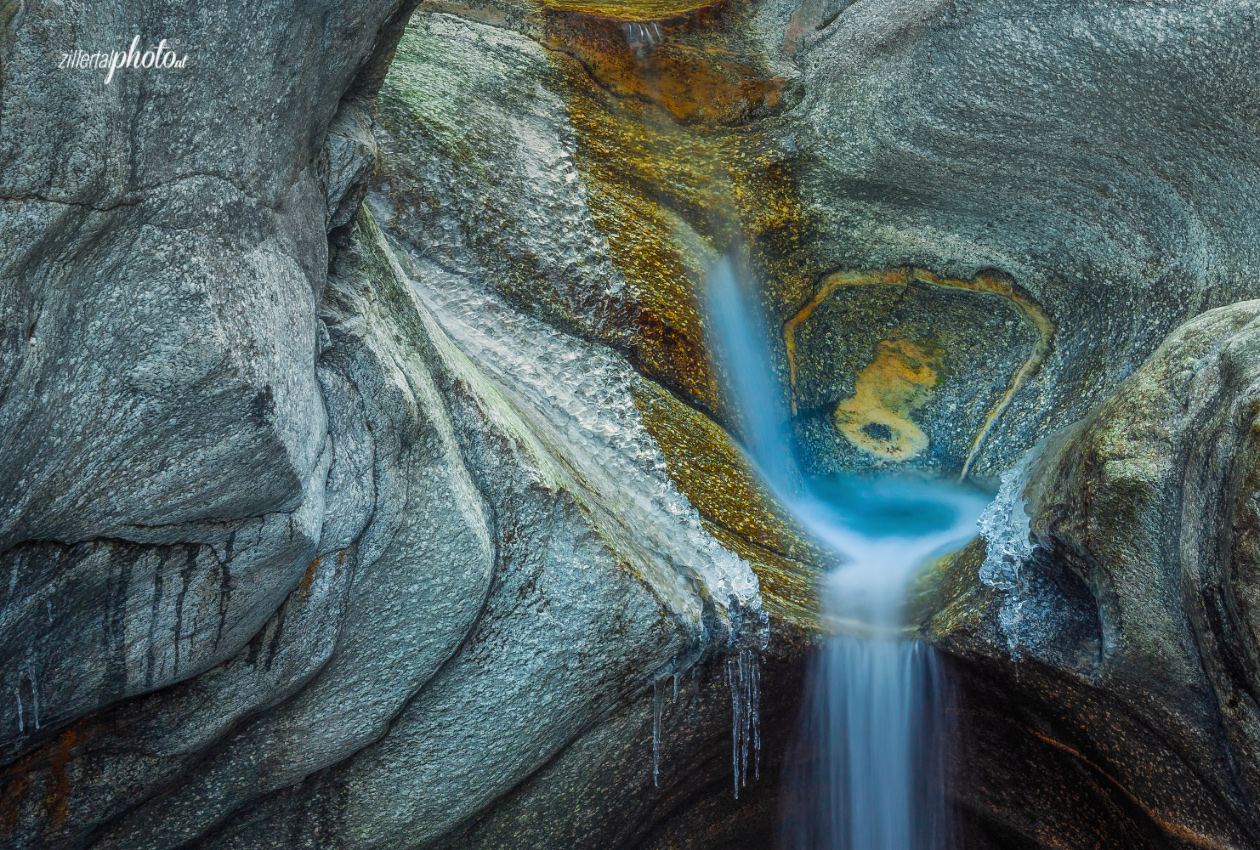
point(1124, 632)
point(165, 442)
point(426, 546)
point(286, 544)
point(1098, 154)
point(332, 515)
point(1031, 196)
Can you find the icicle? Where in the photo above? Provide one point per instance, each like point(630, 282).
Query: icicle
point(734, 686)
point(656, 735)
point(674, 698)
point(743, 738)
point(8, 597)
point(755, 707)
point(21, 721)
point(34, 696)
point(743, 676)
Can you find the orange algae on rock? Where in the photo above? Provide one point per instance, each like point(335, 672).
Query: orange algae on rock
point(691, 61)
point(627, 10)
point(59, 779)
point(669, 119)
point(876, 418)
point(669, 104)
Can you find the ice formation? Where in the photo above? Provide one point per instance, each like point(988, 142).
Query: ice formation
point(743, 675)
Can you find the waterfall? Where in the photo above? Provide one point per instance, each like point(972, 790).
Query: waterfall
point(870, 768)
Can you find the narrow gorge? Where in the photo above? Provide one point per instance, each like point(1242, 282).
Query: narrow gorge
point(513, 424)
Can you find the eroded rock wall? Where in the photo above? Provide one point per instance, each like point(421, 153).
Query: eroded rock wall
point(1118, 648)
point(297, 553)
point(165, 442)
point(332, 523)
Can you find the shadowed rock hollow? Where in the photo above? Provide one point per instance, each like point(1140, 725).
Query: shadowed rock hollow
point(1124, 631)
point(365, 482)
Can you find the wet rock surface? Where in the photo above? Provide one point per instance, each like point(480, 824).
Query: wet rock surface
point(970, 172)
point(283, 567)
point(1116, 652)
point(365, 482)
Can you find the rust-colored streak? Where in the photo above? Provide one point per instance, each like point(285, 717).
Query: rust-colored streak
point(1031, 311)
point(16, 778)
point(664, 61)
point(1175, 829)
point(11, 804)
point(308, 578)
point(59, 779)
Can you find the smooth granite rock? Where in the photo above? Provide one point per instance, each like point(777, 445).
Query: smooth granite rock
point(466, 546)
point(1114, 617)
point(365, 481)
point(165, 444)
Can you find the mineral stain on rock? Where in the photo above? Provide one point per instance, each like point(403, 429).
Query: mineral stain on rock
point(692, 61)
point(932, 336)
point(671, 111)
point(898, 381)
point(627, 10)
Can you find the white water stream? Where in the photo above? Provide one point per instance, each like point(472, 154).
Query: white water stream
point(870, 773)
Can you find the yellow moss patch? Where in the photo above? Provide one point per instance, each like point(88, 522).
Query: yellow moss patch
point(707, 466)
point(627, 10)
point(667, 116)
point(947, 596)
point(876, 418)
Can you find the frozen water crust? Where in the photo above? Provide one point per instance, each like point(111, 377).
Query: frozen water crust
point(556, 391)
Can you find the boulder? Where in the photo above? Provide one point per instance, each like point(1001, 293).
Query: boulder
point(1105, 629)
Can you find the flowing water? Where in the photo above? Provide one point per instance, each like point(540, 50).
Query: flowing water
point(870, 770)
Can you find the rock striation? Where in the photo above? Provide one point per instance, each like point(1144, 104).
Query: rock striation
point(365, 481)
point(301, 548)
point(1120, 634)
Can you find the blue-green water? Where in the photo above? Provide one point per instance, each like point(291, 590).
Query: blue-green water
point(870, 764)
